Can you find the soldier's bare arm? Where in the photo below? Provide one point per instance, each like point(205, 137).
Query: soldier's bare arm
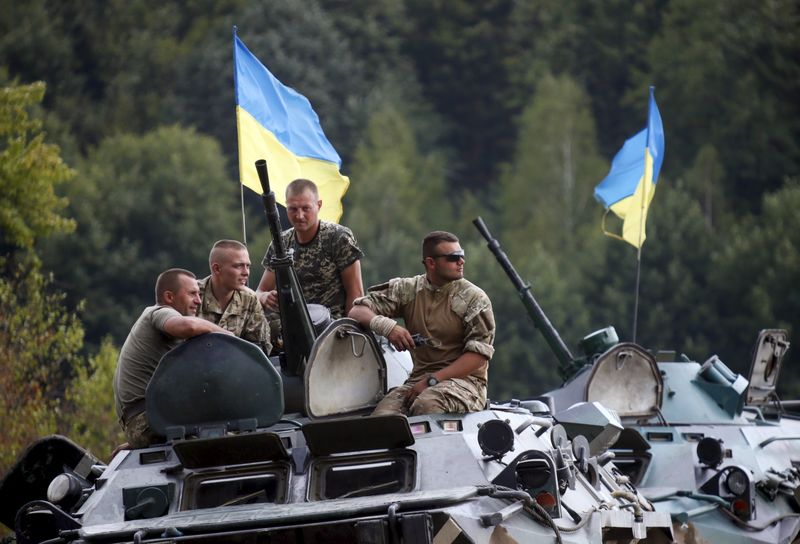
point(353, 286)
point(188, 327)
point(266, 293)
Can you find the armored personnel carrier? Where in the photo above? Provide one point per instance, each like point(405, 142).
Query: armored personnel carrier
point(283, 450)
point(717, 451)
point(236, 468)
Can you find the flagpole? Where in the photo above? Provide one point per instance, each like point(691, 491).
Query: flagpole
point(636, 294)
point(236, 102)
point(647, 180)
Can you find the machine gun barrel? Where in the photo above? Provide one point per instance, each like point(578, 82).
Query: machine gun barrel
point(540, 320)
point(297, 329)
point(271, 209)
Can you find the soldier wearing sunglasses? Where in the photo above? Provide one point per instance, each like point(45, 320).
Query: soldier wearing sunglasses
point(453, 315)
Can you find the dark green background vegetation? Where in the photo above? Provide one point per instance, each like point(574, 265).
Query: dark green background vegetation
point(441, 111)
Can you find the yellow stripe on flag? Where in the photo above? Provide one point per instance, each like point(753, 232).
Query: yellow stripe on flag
point(256, 142)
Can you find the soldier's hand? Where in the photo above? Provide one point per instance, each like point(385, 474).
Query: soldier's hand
point(413, 393)
point(269, 300)
point(401, 339)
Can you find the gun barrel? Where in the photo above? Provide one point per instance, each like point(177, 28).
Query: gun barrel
point(540, 320)
point(271, 209)
point(297, 329)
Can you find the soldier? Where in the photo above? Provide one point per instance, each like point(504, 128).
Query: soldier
point(226, 299)
point(159, 329)
point(455, 316)
point(326, 255)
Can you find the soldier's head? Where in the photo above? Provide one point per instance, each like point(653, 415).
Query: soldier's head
point(302, 207)
point(177, 287)
point(443, 257)
point(229, 262)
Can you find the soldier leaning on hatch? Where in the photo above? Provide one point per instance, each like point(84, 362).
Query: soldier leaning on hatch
point(326, 255)
point(450, 370)
point(226, 299)
point(159, 329)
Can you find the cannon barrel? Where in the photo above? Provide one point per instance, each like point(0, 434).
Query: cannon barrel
point(540, 320)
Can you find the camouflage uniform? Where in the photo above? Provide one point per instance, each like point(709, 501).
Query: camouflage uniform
point(456, 317)
point(244, 316)
point(138, 432)
point(320, 262)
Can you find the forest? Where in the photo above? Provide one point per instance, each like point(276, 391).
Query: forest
point(118, 159)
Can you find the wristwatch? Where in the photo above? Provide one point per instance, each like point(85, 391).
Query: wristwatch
point(432, 380)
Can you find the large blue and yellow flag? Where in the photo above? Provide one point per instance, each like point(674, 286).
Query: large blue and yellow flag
point(631, 183)
point(276, 123)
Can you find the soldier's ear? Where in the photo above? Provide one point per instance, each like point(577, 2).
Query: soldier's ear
point(215, 267)
point(169, 297)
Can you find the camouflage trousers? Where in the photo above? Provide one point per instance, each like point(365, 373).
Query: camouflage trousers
point(453, 396)
point(138, 432)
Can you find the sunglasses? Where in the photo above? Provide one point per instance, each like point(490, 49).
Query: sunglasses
point(452, 257)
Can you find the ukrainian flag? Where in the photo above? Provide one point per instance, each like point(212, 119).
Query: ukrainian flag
point(629, 187)
point(276, 123)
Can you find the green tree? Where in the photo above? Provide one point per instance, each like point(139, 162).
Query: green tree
point(29, 171)
point(459, 50)
point(39, 339)
point(600, 45)
point(397, 197)
point(546, 193)
point(705, 182)
point(756, 272)
point(111, 66)
point(142, 204)
point(727, 75)
point(676, 309)
point(296, 42)
point(89, 413)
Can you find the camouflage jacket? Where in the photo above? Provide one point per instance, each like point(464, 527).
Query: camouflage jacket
point(244, 316)
point(319, 264)
point(456, 317)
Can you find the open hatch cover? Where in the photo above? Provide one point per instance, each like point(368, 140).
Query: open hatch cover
point(352, 434)
point(214, 381)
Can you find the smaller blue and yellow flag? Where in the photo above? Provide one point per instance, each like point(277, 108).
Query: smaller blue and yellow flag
point(629, 187)
point(276, 123)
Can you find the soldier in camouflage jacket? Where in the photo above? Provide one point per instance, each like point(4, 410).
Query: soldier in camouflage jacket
point(453, 315)
point(326, 255)
point(226, 299)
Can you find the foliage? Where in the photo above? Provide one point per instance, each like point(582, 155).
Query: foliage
point(110, 65)
point(89, 414)
point(29, 170)
point(600, 45)
point(399, 197)
point(674, 279)
point(142, 204)
point(278, 34)
point(39, 339)
point(546, 192)
point(441, 111)
point(459, 50)
point(727, 74)
point(756, 273)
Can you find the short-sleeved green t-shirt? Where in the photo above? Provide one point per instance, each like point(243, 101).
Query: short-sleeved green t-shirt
point(146, 344)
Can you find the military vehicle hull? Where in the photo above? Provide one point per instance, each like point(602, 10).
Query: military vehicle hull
point(717, 451)
point(699, 436)
point(238, 471)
